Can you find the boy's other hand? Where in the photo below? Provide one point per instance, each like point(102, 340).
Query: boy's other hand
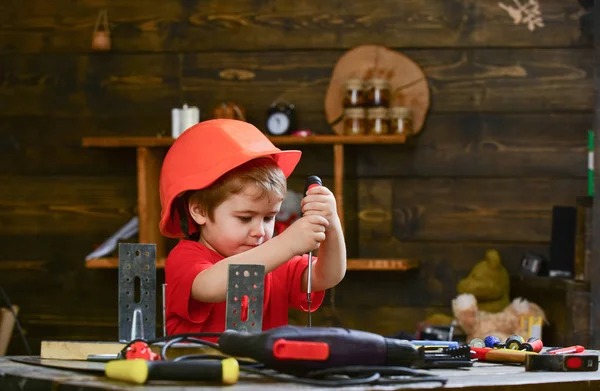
point(305, 234)
point(320, 201)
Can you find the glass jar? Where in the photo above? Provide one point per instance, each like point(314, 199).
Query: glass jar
point(354, 121)
point(377, 121)
point(354, 93)
point(378, 93)
point(401, 121)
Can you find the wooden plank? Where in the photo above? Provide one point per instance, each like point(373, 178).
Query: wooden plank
point(7, 323)
point(117, 142)
point(149, 162)
point(460, 80)
point(465, 209)
point(80, 350)
point(482, 145)
point(473, 80)
point(352, 264)
point(486, 145)
point(240, 24)
point(93, 84)
point(338, 180)
point(595, 257)
point(65, 205)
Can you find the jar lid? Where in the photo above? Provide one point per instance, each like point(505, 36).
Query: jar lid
point(354, 112)
point(400, 111)
point(378, 83)
point(377, 112)
point(354, 84)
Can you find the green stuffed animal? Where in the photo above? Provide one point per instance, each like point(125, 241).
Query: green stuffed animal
point(489, 283)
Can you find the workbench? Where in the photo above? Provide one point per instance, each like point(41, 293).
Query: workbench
point(481, 377)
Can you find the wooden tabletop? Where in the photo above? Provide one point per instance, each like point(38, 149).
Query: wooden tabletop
point(483, 376)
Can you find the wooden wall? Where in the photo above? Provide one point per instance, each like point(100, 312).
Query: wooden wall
point(504, 141)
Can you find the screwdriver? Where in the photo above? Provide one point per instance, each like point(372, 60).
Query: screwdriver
point(311, 182)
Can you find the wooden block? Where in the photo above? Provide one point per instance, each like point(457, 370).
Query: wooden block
point(7, 323)
point(80, 350)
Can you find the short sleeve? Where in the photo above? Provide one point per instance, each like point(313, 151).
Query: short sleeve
point(297, 297)
point(181, 268)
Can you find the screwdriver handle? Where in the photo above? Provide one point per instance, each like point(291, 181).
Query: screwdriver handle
point(311, 182)
point(139, 371)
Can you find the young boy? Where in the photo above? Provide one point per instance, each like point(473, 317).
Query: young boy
point(221, 184)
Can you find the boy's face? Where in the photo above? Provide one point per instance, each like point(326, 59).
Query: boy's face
point(240, 223)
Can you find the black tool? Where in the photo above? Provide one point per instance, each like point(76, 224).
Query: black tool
point(562, 362)
point(311, 182)
point(299, 350)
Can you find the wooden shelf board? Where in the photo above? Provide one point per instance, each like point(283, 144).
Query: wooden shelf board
point(119, 142)
point(353, 264)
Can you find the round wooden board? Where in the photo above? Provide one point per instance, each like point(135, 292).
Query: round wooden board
point(408, 84)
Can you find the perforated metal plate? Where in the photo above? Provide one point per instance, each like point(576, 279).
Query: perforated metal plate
point(137, 291)
point(245, 284)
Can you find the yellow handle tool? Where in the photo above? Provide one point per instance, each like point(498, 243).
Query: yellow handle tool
point(139, 371)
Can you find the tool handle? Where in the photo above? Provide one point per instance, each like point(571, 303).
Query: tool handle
point(570, 349)
point(311, 182)
point(139, 371)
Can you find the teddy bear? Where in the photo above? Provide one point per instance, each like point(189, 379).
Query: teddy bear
point(480, 324)
point(489, 282)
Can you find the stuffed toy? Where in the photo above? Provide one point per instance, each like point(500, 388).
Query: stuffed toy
point(480, 324)
point(489, 282)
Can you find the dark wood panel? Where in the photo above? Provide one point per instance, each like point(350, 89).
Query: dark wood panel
point(147, 84)
point(486, 145)
point(517, 210)
point(442, 265)
point(480, 145)
point(63, 26)
point(460, 80)
point(66, 205)
point(95, 84)
point(48, 145)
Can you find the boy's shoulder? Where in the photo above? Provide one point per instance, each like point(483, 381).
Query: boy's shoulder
point(190, 250)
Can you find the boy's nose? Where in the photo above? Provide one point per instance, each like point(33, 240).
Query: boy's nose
point(258, 230)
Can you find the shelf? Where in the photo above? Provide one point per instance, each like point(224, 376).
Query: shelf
point(120, 142)
point(352, 264)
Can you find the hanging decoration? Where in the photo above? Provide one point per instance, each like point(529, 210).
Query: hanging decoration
point(527, 13)
point(101, 34)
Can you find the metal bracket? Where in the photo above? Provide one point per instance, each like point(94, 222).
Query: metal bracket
point(137, 291)
point(245, 297)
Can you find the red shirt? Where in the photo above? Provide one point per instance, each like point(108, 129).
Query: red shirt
point(186, 315)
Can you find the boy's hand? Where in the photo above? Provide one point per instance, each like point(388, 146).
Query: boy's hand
point(320, 201)
point(305, 234)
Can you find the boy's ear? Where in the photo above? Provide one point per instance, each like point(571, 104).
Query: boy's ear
point(198, 213)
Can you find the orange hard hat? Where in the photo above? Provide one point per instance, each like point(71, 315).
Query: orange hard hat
point(206, 151)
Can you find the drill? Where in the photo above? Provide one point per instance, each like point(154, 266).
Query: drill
point(299, 350)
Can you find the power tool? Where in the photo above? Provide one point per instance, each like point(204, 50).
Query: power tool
point(299, 350)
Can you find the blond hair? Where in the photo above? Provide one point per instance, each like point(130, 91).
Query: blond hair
point(263, 174)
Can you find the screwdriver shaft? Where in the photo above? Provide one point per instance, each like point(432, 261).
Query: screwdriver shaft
point(309, 287)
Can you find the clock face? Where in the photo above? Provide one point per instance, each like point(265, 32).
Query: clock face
point(278, 123)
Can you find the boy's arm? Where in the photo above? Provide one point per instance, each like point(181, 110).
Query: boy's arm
point(210, 285)
point(330, 267)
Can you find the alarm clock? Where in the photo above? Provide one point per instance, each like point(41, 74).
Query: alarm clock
point(281, 118)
